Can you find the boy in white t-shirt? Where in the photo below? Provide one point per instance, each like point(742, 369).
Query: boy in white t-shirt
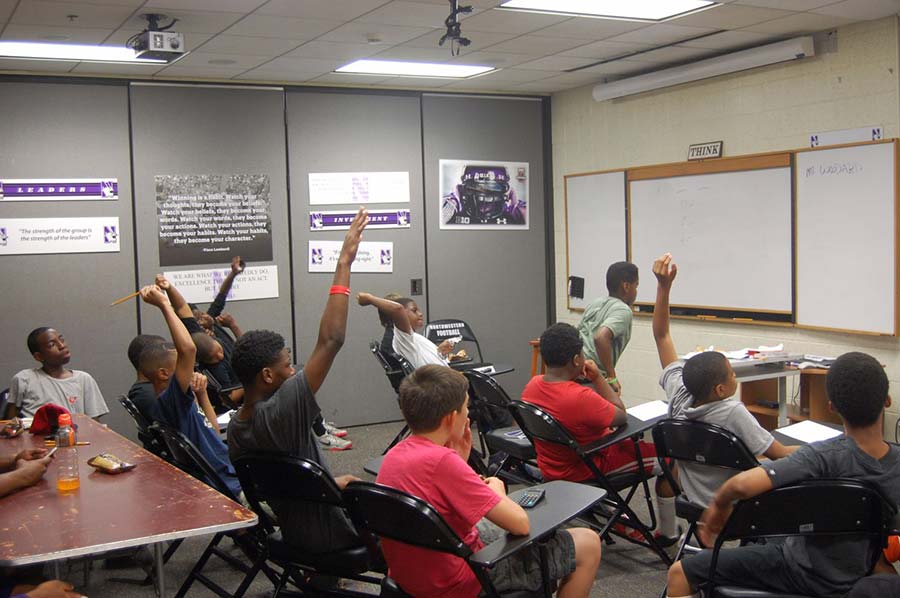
point(405, 317)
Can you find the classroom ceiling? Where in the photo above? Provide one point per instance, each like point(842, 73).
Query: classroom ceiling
point(303, 41)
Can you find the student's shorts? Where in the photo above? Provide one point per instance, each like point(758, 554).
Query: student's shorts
point(620, 458)
point(522, 571)
point(758, 566)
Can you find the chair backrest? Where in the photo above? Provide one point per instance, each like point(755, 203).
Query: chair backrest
point(189, 458)
point(4, 400)
point(438, 331)
point(540, 425)
point(700, 442)
point(489, 403)
point(396, 368)
point(266, 476)
point(394, 514)
point(139, 420)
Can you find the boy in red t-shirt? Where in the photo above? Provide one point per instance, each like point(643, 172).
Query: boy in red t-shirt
point(588, 413)
point(431, 464)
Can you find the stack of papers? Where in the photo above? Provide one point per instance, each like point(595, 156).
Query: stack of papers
point(648, 411)
point(761, 352)
point(225, 418)
point(809, 431)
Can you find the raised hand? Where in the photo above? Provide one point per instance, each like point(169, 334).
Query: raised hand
point(354, 236)
point(162, 282)
point(364, 299)
point(153, 295)
point(198, 383)
point(226, 319)
point(237, 265)
point(665, 270)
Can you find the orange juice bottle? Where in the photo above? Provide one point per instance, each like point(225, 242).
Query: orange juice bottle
point(66, 457)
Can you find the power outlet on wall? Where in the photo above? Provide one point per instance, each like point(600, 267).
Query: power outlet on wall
point(415, 287)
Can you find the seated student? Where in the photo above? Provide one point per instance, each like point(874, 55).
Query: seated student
point(53, 382)
point(404, 317)
point(280, 406)
point(141, 392)
point(183, 402)
point(857, 388)
point(710, 377)
point(215, 320)
point(588, 413)
point(431, 464)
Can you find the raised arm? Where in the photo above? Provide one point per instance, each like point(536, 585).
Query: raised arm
point(333, 325)
point(394, 310)
point(218, 304)
point(227, 320)
point(665, 272)
point(179, 305)
point(187, 352)
point(198, 385)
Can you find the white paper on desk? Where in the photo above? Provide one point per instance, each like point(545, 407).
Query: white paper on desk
point(809, 431)
point(225, 418)
point(648, 411)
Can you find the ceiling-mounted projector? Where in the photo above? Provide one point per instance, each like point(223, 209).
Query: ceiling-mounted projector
point(159, 45)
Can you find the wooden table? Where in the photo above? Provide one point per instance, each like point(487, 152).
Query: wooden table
point(152, 504)
point(536, 357)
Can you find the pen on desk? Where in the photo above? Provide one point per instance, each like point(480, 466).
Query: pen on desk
point(79, 443)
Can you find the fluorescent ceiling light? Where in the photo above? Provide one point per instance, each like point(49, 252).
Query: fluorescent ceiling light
point(644, 10)
point(413, 69)
point(74, 52)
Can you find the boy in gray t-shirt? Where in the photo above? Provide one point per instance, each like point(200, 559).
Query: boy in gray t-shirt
point(53, 382)
point(699, 390)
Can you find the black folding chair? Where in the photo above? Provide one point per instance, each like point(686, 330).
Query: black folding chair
point(279, 478)
point(438, 331)
point(821, 509)
point(540, 425)
point(391, 513)
point(705, 444)
point(192, 461)
point(396, 368)
point(489, 409)
point(151, 440)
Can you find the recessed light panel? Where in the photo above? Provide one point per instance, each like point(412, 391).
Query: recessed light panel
point(642, 10)
point(74, 52)
point(413, 69)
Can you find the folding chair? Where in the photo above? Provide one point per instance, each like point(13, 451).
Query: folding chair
point(438, 331)
point(396, 368)
point(705, 444)
point(151, 440)
point(487, 403)
point(540, 425)
point(192, 461)
point(814, 508)
point(277, 478)
point(393, 514)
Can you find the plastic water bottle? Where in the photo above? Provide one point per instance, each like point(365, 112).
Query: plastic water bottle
point(66, 457)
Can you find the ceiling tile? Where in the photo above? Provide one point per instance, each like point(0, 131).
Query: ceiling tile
point(241, 6)
point(591, 29)
point(6, 8)
point(303, 65)
point(410, 14)
point(509, 21)
point(334, 50)
point(283, 27)
point(498, 59)
point(730, 16)
point(276, 76)
point(248, 46)
point(417, 82)
point(604, 49)
point(512, 76)
point(479, 40)
point(536, 44)
point(348, 79)
point(43, 66)
point(37, 33)
point(671, 54)
point(545, 86)
point(414, 54)
point(205, 59)
point(191, 40)
point(89, 16)
point(798, 5)
point(728, 39)
point(616, 68)
point(203, 72)
point(556, 63)
point(662, 33)
point(861, 9)
point(475, 3)
point(360, 33)
point(345, 10)
point(806, 22)
point(101, 68)
point(191, 21)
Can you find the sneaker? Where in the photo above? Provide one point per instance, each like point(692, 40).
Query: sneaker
point(667, 541)
point(333, 443)
point(332, 429)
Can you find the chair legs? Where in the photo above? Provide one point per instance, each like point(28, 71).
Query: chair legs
point(624, 515)
point(258, 563)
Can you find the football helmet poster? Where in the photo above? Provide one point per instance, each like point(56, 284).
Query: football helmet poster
point(483, 194)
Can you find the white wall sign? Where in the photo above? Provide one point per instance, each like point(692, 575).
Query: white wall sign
point(372, 256)
point(705, 151)
point(357, 188)
point(840, 137)
point(24, 236)
point(201, 286)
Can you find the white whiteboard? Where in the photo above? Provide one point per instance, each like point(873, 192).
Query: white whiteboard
point(595, 225)
point(729, 234)
point(846, 256)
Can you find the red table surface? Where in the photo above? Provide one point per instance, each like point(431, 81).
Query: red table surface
point(151, 503)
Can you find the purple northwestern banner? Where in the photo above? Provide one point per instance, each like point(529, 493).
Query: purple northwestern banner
point(58, 189)
point(340, 220)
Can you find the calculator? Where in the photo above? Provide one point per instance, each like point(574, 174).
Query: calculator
point(531, 497)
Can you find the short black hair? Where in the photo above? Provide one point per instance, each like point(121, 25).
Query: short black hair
point(33, 345)
point(559, 344)
point(703, 372)
point(254, 351)
point(618, 273)
point(430, 393)
point(857, 387)
point(138, 344)
point(155, 356)
point(206, 346)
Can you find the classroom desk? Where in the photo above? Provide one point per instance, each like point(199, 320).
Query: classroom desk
point(499, 368)
point(562, 501)
point(633, 427)
point(791, 441)
point(152, 504)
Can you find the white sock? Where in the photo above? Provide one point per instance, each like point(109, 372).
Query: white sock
point(666, 511)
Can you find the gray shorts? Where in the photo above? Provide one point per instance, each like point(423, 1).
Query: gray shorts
point(522, 571)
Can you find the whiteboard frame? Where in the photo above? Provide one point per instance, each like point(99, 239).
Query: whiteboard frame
point(896, 255)
point(569, 241)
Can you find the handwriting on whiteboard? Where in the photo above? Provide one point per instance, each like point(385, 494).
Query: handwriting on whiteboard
point(834, 169)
